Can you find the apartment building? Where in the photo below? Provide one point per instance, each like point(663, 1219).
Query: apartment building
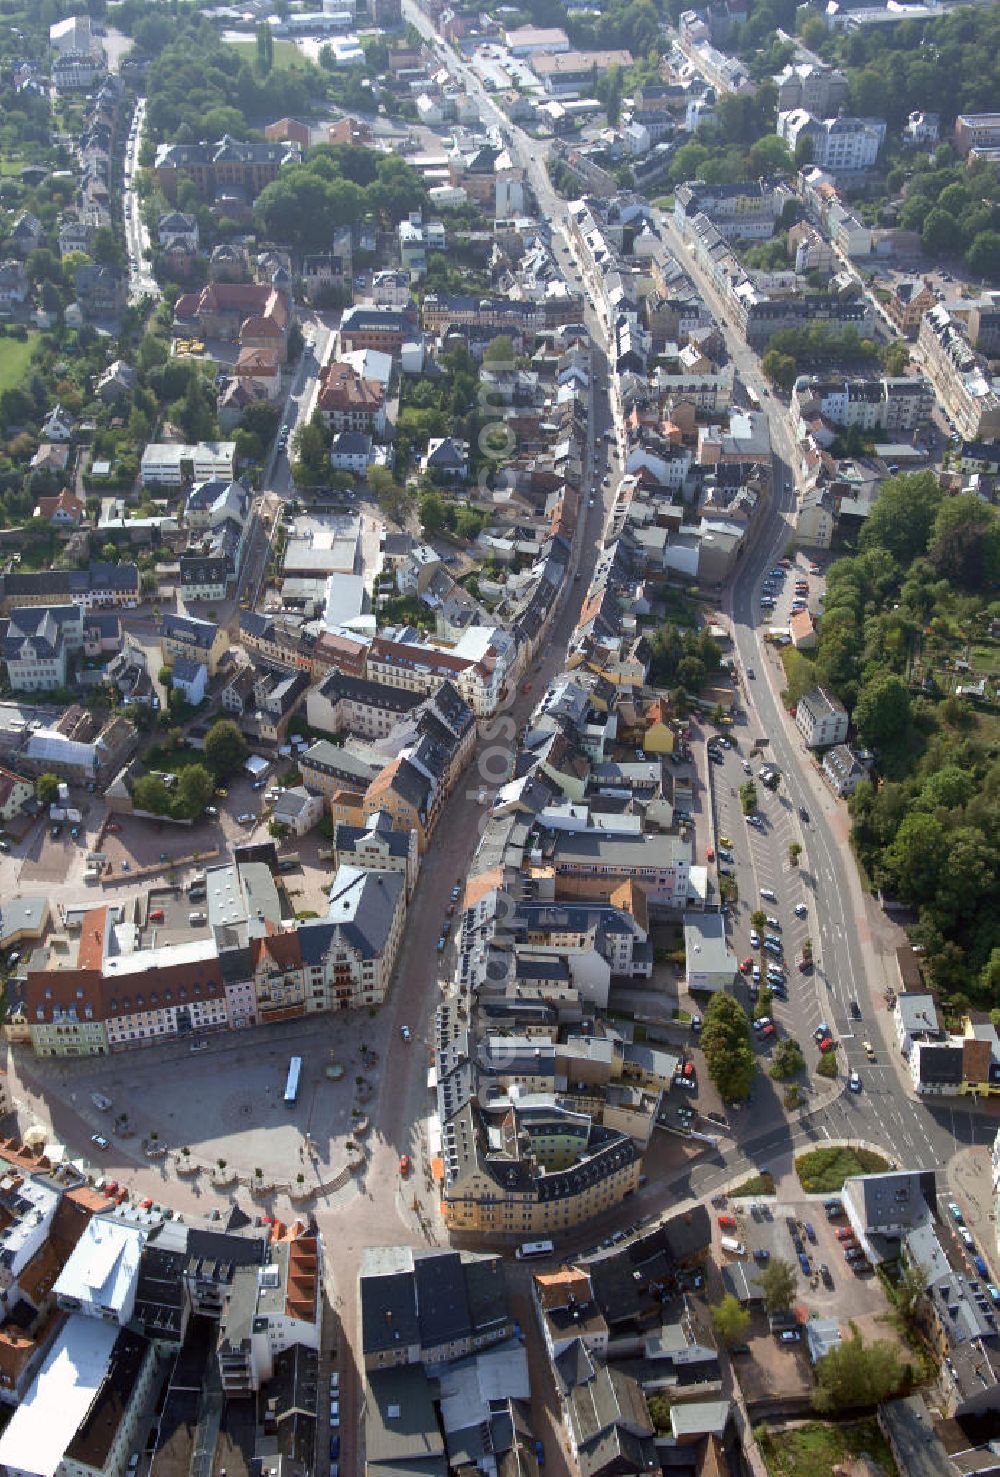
point(197, 640)
point(36, 642)
point(888, 404)
point(960, 375)
point(821, 718)
point(592, 863)
point(99, 586)
point(748, 212)
point(378, 847)
point(820, 90)
point(544, 1170)
point(841, 145)
point(269, 1310)
point(358, 706)
point(348, 402)
point(429, 1305)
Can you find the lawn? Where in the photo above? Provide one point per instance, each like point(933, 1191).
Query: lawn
point(757, 1184)
point(286, 53)
point(15, 360)
point(172, 760)
point(818, 1446)
point(823, 1171)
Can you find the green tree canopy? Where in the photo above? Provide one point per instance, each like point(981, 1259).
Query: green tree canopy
point(856, 1375)
point(730, 1319)
point(882, 712)
point(725, 1040)
point(225, 747)
point(779, 1281)
point(47, 789)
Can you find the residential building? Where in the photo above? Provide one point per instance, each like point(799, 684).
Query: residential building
point(841, 145)
point(915, 1017)
point(821, 718)
point(189, 678)
point(964, 1064)
point(352, 451)
point(960, 375)
point(379, 847)
point(99, 586)
point(347, 402)
point(883, 1208)
point(257, 316)
point(269, 1310)
point(747, 211)
point(35, 643)
point(299, 809)
point(432, 1305)
point(906, 304)
point(184, 636)
point(843, 770)
point(15, 792)
point(83, 1410)
point(820, 90)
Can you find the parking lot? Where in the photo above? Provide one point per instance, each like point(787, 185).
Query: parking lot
point(786, 590)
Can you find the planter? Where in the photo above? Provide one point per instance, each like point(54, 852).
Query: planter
point(223, 1176)
point(185, 1166)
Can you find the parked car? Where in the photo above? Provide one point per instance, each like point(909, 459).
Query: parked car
point(100, 1141)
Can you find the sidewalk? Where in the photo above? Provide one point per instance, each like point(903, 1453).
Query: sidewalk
point(968, 1177)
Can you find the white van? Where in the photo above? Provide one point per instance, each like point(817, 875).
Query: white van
point(769, 895)
point(734, 1247)
point(196, 918)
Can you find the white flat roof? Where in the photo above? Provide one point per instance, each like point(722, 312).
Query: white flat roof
point(60, 1396)
point(103, 1267)
point(198, 951)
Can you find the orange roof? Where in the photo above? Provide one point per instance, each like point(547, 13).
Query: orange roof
point(554, 1288)
point(92, 935)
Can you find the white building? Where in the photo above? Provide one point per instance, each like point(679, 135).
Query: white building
point(821, 718)
point(299, 809)
point(840, 145)
point(171, 464)
point(708, 961)
point(102, 1273)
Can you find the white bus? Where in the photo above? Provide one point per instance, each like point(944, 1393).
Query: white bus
point(529, 1249)
point(292, 1084)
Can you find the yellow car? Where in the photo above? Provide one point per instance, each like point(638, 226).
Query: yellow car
point(724, 841)
point(869, 1049)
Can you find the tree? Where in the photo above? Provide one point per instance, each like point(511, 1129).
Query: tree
point(913, 862)
point(748, 797)
point(857, 1376)
point(151, 795)
point(911, 1288)
point(500, 350)
point(225, 747)
point(983, 256)
point(779, 1282)
point(730, 1319)
point(787, 1060)
point(794, 852)
point(195, 788)
point(779, 368)
point(882, 711)
point(896, 357)
point(725, 1040)
point(965, 542)
point(941, 234)
point(265, 49)
point(758, 919)
point(47, 789)
point(902, 516)
point(433, 512)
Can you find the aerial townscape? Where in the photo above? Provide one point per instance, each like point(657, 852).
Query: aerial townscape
point(499, 738)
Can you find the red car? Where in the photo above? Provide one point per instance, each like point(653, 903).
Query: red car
point(404, 1164)
point(146, 1204)
point(710, 853)
point(827, 1044)
point(727, 1222)
point(112, 827)
point(689, 1069)
point(844, 1233)
point(747, 964)
point(769, 1030)
point(156, 915)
